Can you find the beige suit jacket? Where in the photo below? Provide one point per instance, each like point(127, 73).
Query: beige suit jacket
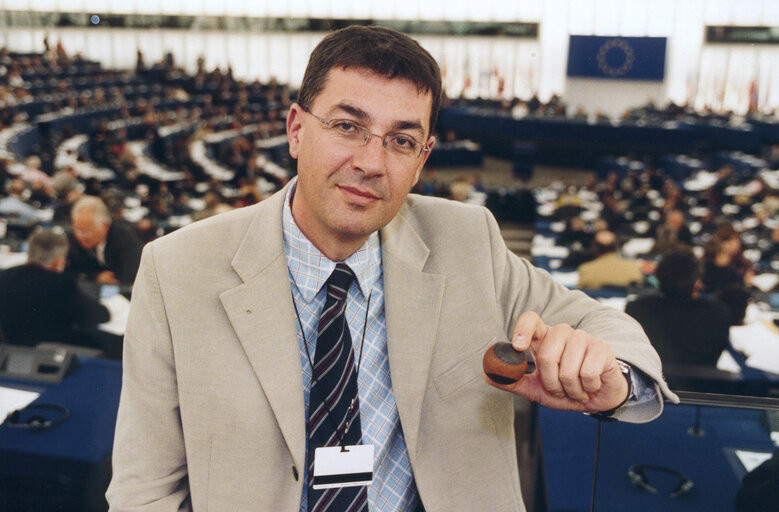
point(212, 416)
point(609, 270)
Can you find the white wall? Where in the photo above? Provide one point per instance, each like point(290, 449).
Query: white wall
point(718, 76)
point(611, 97)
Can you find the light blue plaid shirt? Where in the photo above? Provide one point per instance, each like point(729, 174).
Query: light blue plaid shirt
point(393, 486)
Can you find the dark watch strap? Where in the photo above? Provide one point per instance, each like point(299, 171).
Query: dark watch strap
point(608, 415)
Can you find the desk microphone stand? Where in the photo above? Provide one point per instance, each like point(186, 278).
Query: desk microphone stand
point(696, 430)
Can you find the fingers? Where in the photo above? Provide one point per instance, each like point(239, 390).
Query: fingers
point(548, 355)
point(529, 328)
point(593, 367)
point(560, 359)
point(571, 365)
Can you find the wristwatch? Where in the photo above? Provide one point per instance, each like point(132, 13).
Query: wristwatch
point(624, 368)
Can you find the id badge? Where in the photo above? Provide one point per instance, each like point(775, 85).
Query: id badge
point(349, 466)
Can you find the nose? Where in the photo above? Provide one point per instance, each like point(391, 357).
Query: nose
point(371, 158)
point(82, 240)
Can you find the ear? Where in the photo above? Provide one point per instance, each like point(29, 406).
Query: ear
point(58, 265)
point(696, 289)
point(294, 126)
point(424, 157)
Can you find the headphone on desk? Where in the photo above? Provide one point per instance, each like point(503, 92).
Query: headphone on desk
point(638, 477)
point(36, 421)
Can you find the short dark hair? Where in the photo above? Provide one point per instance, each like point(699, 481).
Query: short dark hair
point(677, 273)
point(384, 51)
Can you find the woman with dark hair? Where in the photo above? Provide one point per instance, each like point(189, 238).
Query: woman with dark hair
point(724, 263)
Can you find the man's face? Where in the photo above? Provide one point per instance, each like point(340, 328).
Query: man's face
point(346, 193)
point(88, 230)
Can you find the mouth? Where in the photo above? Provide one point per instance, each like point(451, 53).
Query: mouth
point(358, 196)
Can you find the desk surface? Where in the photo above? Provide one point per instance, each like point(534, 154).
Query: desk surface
point(568, 444)
point(91, 394)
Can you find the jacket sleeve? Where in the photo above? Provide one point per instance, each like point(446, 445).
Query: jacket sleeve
point(522, 287)
point(127, 255)
point(149, 461)
point(87, 312)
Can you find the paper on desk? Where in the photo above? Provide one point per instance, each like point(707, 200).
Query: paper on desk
point(554, 251)
point(751, 460)
point(726, 363)
point(751, 338)
point(759, 343)
point(614, 302)
point(12, 259)
point(636, 246)
point(569, 279)
point(765, 282)
point(118, 306)
point(13, 399)
point(754, 314)
point(543, 241)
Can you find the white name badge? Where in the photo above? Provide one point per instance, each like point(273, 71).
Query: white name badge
point(349, 466)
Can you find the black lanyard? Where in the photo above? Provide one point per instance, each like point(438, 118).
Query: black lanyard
point(313, 374)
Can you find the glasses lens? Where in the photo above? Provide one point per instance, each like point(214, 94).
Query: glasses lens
point(403, 145)
point(348, 131)
point(352, 134)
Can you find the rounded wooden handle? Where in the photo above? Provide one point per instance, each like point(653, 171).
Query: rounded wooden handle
point(503, 364)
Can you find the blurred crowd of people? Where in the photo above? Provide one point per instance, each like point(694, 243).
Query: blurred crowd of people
point(163, 148)
point(694, 256)
point(157, 108)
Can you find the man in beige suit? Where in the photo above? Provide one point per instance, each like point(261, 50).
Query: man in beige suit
point(609, 268)
point(216, 377)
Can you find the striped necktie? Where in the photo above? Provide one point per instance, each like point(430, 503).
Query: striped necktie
point(333, 410)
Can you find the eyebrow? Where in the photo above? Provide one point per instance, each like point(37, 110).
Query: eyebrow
point(365, 117)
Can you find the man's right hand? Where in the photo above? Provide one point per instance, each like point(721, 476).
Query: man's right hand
point(106, 277)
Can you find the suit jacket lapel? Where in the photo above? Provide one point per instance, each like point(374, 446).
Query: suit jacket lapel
point(412, 306)
point(262, 315)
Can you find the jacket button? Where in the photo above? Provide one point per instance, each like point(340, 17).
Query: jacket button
point(295, 473)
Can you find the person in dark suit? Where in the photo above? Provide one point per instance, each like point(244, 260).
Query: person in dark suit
point(759, 488)
point(724, 262)
point(683, 328)
point(38, 302)
point(103, 250)
point(672, 233)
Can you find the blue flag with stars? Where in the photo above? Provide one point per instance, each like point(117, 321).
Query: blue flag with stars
point(617, 58)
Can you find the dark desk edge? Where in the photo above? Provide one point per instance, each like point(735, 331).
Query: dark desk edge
point(719, 400)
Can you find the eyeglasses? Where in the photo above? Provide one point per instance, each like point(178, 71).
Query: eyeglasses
point(351, 133)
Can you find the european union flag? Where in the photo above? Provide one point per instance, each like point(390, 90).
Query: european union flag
point(617, 58)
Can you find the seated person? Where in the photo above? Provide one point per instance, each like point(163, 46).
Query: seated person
point(736, 299)
point(575, 234)
point(759, 490)
point(683, 328)
point(106, 251)
point(608, 268)
point(724, 261)
point(579, 240)
point(672, 233)
point(15, 206)
point(38, 302)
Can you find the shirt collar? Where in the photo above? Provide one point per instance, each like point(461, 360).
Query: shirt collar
point(310, 268)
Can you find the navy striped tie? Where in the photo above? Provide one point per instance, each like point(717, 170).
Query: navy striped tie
point(333, 410)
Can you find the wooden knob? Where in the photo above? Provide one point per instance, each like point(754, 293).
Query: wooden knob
point(503, 364)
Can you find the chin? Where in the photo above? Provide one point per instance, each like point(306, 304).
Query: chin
point(355, 228)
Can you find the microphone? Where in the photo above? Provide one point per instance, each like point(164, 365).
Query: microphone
point(503, 364)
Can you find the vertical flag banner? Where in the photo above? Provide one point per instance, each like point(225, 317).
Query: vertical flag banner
point(617, 58)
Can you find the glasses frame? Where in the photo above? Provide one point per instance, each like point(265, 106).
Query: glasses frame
point(425, 148)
